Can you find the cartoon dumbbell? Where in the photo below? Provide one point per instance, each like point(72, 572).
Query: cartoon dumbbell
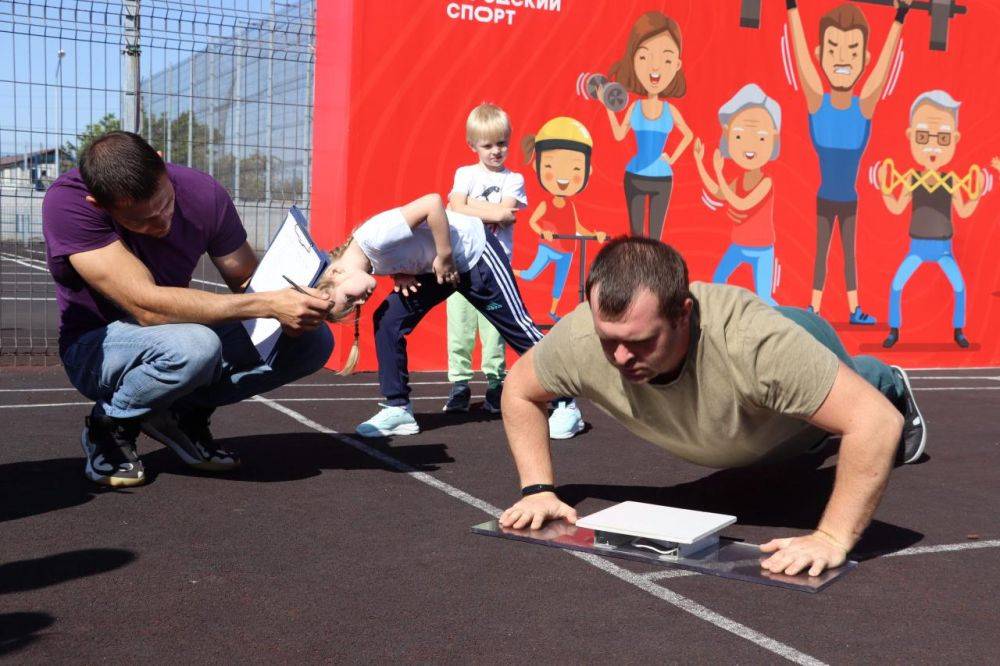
point(941, 11)
point(615, 95)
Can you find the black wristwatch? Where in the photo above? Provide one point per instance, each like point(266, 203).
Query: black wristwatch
point(537, 488)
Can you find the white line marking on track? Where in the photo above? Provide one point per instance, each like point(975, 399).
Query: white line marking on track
point(36, 390)
point(368, 398)
point(668, 573)
point(25, 298)
point(40, 266)
point(946, 548)
point(953, 369)
point(957, 377)
point(956, 388)
point(17, 260)
point(372, 384)
point(698, 610)
point(51, 404)
point(637, 580)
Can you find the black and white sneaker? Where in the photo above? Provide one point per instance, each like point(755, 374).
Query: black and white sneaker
point(187, 434)
point(914, 438)
point(109, 446)
point(458, 398)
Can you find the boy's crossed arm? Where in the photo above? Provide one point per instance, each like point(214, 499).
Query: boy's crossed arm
point(501, 213)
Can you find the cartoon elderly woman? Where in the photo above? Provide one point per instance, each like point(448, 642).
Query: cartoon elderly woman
point(650, 68)
point(751, 122)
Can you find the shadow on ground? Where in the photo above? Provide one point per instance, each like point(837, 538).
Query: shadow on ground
point(39, 486)
point(35, 487)
point(25, 575)
point(18, 630)
point(434, 420)
point(296, 455)
point(785, 496)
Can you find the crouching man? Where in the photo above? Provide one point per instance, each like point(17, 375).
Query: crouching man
point(123, 235)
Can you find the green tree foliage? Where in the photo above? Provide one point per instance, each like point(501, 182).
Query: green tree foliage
point(210, 155)
point(72, 150)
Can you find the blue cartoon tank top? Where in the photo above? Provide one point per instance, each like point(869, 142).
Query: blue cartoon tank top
point(650, 138)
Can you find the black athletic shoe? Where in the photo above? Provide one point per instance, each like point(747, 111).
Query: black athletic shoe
point(186, 433)
point(892, 339)
point(914, 438)
point(458, 398)
point(109, 446)
point(960, 339)
point(492, 401)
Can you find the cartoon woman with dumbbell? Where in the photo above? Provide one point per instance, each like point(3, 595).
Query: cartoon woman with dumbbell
point(560, 156)
point(651, 68)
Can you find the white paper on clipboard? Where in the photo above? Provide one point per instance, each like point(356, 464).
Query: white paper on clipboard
point(292, 253)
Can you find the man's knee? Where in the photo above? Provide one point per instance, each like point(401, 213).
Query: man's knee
point(192, 350)
point(305, 354)
point(318, 346)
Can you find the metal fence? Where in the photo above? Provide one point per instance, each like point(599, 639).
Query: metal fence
point(224, 86)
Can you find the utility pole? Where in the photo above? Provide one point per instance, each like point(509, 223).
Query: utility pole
point(270, 105)
point(131, 104)
point(59, 129)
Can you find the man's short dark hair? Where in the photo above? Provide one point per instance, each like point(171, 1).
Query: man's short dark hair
point(626, 265)
point(121, 167)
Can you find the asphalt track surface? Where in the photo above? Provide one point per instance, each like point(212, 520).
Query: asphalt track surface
point(327, 548)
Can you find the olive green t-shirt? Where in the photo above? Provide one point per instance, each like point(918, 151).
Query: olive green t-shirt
point(750, 379)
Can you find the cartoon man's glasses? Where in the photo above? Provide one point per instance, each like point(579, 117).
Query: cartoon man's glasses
point(923, 136)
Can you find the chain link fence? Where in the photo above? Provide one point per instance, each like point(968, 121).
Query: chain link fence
point(223, 86)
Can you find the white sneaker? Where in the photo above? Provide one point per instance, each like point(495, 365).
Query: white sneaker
point(565, 420)
point(390, 421)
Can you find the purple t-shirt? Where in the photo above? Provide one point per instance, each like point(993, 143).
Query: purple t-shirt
point(205, 220)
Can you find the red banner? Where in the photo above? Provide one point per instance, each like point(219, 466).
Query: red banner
point(395, 81)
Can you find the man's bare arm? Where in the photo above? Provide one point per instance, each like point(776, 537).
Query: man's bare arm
point(871, 92)
point(117, 274)
point(870, 428)
point(523, 405)
point(236, 268)
point(812, 84)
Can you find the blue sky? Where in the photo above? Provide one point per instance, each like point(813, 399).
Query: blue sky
point(89, 34)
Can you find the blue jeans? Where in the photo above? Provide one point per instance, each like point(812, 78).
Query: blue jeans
point(547, 255)
point(761, 260)
point(925, 250)
point(130, 371)
point(872, 370)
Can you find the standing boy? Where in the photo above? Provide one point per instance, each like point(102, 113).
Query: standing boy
point(492, 192)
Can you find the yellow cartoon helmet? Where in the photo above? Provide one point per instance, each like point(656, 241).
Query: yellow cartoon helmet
point(564, 128)
point(562, 133)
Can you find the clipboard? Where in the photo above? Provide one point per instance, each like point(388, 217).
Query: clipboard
point(291, 252)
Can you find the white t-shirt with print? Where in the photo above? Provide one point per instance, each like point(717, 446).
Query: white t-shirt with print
point(477, 182)
point(393, 247)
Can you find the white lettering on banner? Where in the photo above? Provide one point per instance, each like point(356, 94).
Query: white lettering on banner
point(481, 11)
point(550, 5)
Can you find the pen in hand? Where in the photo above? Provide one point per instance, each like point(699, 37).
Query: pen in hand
point(295, 286)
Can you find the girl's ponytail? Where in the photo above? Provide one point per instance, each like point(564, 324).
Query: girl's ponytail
point(355, 353)
point(528, 147)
